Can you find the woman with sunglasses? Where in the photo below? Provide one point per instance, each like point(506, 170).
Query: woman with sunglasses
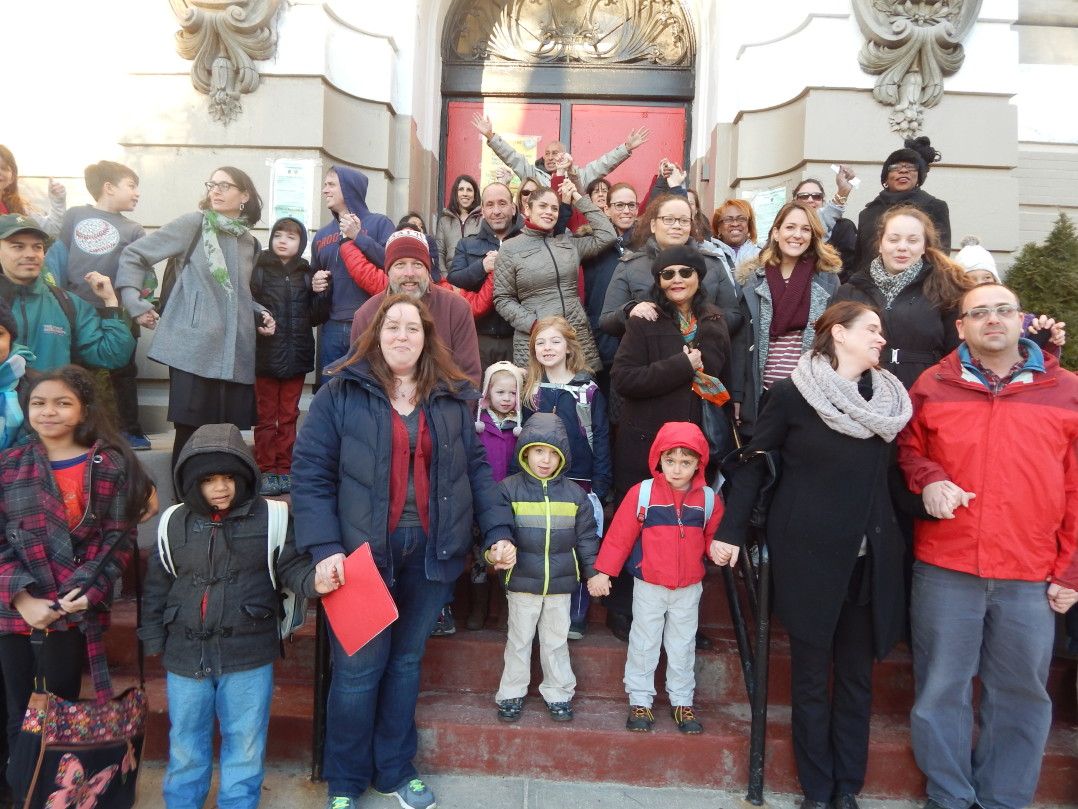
point(839, 232)
point(786, 288)
point(667, 366)
point(206, 333)
point(666, 222)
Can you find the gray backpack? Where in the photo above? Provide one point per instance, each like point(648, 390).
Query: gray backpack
point(293, 608)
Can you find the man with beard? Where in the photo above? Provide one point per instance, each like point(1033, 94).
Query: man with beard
point(408, 266)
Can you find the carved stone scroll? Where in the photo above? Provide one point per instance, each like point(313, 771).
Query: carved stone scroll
point(596, 32)
point(911, 45)
point(224, 38)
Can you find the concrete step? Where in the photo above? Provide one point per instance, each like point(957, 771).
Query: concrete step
point(598, 662)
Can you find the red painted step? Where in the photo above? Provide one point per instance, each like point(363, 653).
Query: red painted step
point(598, 662)
point(459, 733)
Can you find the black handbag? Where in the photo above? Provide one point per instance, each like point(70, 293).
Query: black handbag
point(83, 753)
point(740, 459)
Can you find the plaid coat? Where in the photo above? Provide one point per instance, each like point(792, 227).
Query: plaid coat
point(40, 554)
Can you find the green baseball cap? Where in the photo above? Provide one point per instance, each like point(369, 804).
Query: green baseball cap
point(13, 223)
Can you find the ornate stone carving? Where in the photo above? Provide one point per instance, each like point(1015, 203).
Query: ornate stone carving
point(911, 45)
point(598, 32)
point(224, 38)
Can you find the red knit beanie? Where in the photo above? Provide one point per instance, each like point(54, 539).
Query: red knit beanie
point(407, 244)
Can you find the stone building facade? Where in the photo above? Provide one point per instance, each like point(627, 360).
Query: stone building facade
point(773, 92)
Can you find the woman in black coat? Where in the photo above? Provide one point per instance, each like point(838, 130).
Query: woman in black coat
point(655, 365)
point(835, 545)
point(902, 175)
point(916, 288)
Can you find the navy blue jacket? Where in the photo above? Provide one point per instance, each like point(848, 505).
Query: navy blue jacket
point(340, 490)
point(588, 462)
point(467, 272)
point(598, 270)
point(325, 253)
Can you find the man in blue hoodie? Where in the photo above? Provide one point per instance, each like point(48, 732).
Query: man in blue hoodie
point(345, 193)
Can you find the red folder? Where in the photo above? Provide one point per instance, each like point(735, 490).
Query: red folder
point(362, 607)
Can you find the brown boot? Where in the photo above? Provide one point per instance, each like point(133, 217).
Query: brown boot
point(477, 618)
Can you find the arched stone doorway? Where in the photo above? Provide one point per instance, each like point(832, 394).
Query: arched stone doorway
point(585, 72)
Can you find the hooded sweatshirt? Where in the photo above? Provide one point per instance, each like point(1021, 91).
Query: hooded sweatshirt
point(665, 545)
point(220, 613)
point(554, 525)
point(347, 297)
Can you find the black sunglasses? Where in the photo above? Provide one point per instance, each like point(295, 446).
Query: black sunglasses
point(806, 196)
point(684, 272)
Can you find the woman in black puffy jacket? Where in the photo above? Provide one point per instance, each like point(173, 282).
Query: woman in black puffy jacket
point(283, 283)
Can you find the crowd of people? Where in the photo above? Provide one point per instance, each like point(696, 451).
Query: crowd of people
point(539, 396)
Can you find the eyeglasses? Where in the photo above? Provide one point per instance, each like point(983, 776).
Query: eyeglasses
point(527, 193)
point(805, 196)
point(211, 186)
point(734, 220)
point(902, 168)
point(982, 312)
point(684, 272)
point(623, 206)
point(670, 221)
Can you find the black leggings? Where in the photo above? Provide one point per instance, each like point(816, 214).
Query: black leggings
point(64, 656)
point(183, 435)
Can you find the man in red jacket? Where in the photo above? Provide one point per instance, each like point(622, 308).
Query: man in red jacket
point(993, 450)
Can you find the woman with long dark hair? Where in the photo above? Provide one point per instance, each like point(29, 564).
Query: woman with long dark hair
point(461, 217)
point(206, 332)
point(388, 457)
point(836, 550)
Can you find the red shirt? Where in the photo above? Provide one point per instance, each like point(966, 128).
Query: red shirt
point(70, 476)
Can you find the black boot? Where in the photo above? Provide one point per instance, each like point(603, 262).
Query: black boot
point(619, 625)
point(477, 618)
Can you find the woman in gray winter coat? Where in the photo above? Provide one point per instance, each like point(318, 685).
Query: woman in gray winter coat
point(461, 217)
point(206, 334)
point(536, 274)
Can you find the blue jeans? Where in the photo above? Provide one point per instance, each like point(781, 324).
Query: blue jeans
point(241, 702)
point(1002, 632)
point(335, 342)
point(370, 718)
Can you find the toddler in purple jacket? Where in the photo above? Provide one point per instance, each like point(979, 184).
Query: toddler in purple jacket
point(498, 424)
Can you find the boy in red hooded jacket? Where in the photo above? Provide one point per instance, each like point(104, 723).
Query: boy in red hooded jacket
point(665, 535)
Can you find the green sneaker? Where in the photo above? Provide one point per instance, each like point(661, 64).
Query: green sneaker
point(340, 802)
point(413, 795)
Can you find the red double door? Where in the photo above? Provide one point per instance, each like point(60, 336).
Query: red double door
point(594, 130)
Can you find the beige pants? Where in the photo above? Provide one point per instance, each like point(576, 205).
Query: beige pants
point(550, 615)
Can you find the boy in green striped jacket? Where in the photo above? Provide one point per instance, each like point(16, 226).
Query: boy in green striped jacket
point(554, 547)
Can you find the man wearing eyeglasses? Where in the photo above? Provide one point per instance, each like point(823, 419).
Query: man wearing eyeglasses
point(993, 450)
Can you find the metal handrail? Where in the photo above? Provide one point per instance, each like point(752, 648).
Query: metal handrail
point(754, 652)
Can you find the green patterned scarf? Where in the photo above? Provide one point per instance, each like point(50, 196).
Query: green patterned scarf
point(212, 224)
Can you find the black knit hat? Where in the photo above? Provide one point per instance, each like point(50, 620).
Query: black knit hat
point(918, 151)
point(7, 320)
point(200, 466)
point(682, 255)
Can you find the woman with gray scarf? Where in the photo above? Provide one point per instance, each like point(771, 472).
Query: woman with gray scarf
point(835, 546)
point(916, 289)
